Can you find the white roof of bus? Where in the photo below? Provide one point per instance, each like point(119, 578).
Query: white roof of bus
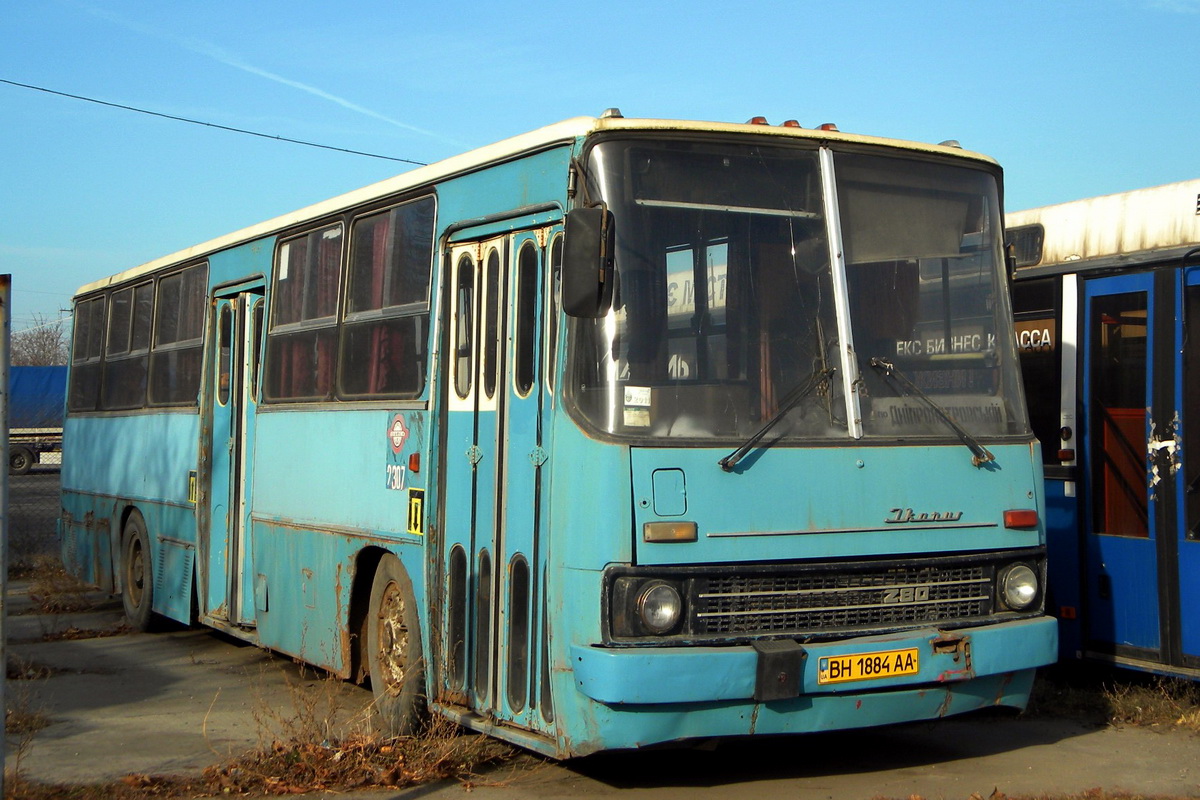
point(1158, 218)
point(500, 151)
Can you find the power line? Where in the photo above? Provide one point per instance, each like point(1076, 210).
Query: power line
point(210, 124)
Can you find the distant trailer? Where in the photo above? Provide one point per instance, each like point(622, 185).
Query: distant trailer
point(36, 399)
point(1106, 293)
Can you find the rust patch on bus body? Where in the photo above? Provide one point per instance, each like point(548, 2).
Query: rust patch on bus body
point(342, 604)
point(959, 647)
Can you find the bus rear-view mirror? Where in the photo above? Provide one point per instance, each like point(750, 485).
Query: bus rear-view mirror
point(587, 272)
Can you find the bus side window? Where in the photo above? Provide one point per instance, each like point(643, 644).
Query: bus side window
point(256, 318)
point(86, 348)
point(177, 353)
point(302, 341)
point(225, 333)
point(383, 337)
point(553, 276)
point(525, 345)
point(464, 318)
point(127, 347)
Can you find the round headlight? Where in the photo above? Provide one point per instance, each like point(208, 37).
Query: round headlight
point(1019, 585)
point(659, 606)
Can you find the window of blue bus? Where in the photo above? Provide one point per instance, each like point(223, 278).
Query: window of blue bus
point(224, 355)
point(177, 354)
point(1036, 305)
point(553, 279)
point(384, 336)
point(302, 340)
point(127, 348)
point(464, 294)
point(525, 339)
point(723, 303)
point(490, 343)
point(927, 290)
point(87, 346)
point(256, 316)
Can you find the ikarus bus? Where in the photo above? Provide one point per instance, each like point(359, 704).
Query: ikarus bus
point(619, 432)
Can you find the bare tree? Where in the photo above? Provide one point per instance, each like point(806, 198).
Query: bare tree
point(43, 344)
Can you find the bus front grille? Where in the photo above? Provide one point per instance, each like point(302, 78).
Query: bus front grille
point(814, 601)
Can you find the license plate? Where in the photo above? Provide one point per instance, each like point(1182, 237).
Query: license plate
point(867, 666)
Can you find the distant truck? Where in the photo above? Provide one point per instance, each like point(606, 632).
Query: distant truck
point(36, 396)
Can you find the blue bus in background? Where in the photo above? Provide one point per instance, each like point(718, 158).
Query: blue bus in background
point(1106, 293)
point(614, 433)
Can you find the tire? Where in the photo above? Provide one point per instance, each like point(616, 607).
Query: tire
point(137, 578)
point(394, 659)
point(20, 460)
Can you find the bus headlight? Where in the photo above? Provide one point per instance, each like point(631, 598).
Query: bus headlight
point(659, 606)
point(1018, 586)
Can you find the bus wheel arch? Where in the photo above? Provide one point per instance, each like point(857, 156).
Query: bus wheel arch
point(366, 562)
point(394, 656)
point(137, 571)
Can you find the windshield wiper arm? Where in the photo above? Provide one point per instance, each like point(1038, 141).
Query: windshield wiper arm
point(818, 378)
point(980, 455)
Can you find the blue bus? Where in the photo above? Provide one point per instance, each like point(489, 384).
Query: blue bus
point(619, 432)
point(1105, 292)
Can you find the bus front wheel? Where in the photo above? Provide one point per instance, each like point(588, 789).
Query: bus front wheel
point(394, 658)
point(137, 585)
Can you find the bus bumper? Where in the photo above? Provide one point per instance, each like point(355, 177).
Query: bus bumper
point(656, 675)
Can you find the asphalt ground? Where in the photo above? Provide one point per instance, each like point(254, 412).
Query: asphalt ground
point(176, 702)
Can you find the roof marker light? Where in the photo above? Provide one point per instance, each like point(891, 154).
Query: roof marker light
point(791, 123)
point(612, 113)
point(951, 143)
point(827, 126)
point(757, 121)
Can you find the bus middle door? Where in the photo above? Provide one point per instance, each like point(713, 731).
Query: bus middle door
point(492, 648)
point(228, 565)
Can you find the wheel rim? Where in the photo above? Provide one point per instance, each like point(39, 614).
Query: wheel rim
point(135, 571)
point(393, 640)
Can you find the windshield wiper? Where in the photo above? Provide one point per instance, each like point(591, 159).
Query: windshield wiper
point(980, 455)
point(818, 378)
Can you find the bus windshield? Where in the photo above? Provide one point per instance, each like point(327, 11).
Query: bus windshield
point(731, 307)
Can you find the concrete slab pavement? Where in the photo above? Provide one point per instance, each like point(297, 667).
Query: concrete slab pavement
point(159, 703)
point(174, 703)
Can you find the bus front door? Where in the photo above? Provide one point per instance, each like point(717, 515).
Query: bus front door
point(227, 555)
point(491, 553)
point(1141, 377)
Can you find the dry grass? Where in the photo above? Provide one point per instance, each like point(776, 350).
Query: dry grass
point(1116, 697)
point(442, 752)
point(73, 633)
point(54, 591)
point(23, 669)
point(314, 745)
point(1160, 701)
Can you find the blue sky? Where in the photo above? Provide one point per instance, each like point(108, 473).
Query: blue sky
point(1075, 99)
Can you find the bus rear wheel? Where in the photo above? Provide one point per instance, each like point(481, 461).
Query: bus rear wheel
point(394, 658)
point(137, 584)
